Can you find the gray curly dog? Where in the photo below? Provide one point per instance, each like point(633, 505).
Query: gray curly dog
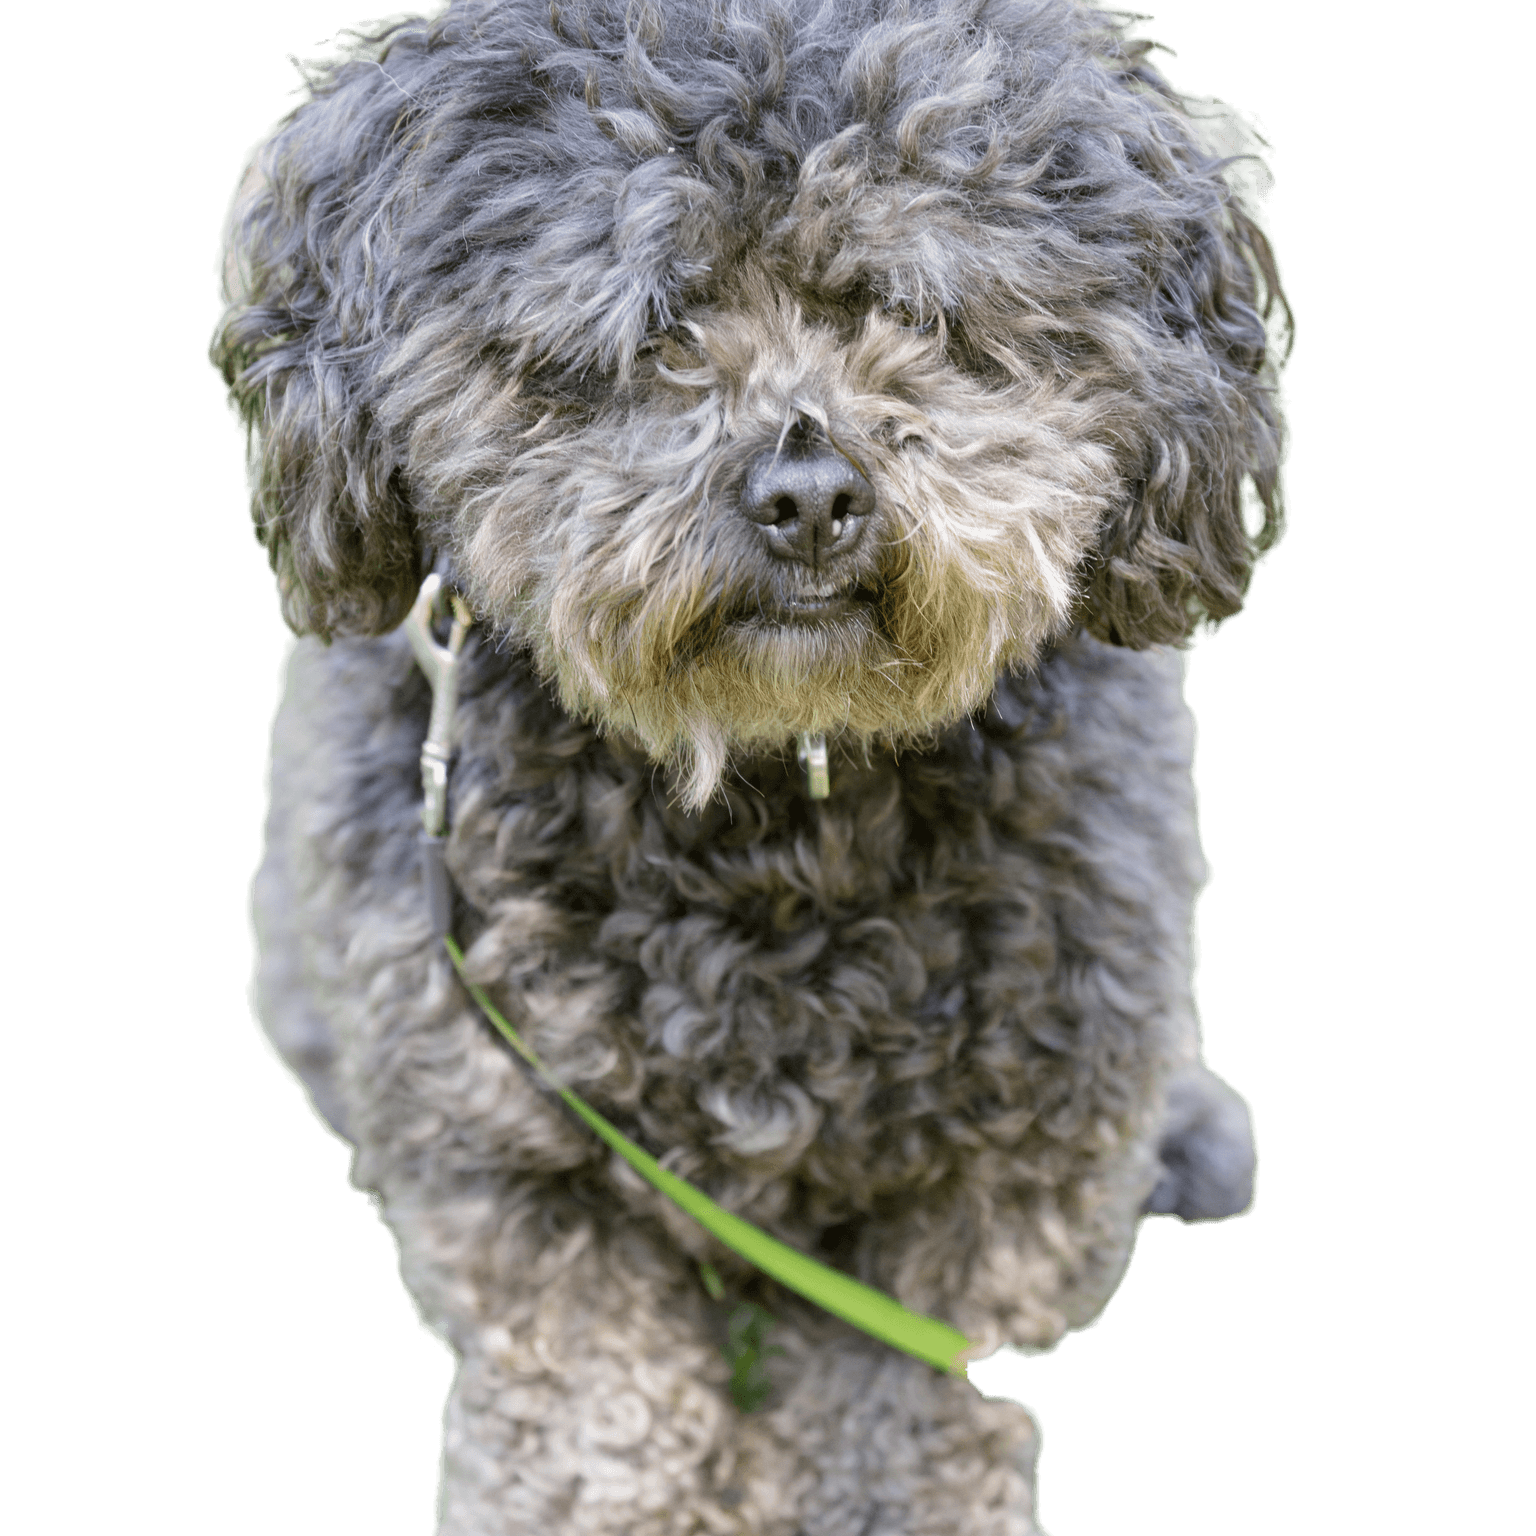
point(895, 370)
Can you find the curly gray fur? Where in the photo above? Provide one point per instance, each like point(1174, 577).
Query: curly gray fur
point(526, 291)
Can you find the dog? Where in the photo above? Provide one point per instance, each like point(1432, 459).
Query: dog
point(889, 374)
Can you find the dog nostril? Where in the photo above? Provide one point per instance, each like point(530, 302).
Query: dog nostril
point(841, 504)
point(787, 508)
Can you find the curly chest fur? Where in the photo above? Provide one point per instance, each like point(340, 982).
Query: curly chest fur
point(961, 971)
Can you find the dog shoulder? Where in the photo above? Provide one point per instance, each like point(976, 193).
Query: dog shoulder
point(344, 795)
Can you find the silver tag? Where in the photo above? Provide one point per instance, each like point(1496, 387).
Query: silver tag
point(813, 759)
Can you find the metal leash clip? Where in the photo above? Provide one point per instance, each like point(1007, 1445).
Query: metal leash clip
point(440, 663)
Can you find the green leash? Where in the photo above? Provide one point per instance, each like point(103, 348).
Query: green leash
point(879, 1315)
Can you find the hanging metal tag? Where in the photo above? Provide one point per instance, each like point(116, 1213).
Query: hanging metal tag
point(813, 759)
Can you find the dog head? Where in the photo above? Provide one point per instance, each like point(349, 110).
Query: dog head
point(766, 367)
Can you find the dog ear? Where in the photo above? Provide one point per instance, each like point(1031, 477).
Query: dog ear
point(298, 348)
point(1178, 551)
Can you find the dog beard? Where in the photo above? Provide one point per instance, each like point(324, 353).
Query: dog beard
point(702, 671)
point(618, 552)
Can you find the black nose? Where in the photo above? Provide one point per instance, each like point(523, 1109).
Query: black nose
point(811, 504)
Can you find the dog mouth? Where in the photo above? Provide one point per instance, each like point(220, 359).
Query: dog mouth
point(818, 603)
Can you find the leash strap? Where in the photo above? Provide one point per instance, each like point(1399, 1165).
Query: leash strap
point(879, 1315)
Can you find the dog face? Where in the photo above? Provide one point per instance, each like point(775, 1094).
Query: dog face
point(780, 368)
point(787, 521)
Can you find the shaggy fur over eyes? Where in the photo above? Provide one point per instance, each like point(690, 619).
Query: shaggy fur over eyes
point(565, 301)
point(532, 286)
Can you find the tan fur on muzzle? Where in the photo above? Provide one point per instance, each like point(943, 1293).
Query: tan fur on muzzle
point(620, 551)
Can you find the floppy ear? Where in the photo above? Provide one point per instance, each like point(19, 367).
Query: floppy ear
point(299, 346)
point(1177, 552)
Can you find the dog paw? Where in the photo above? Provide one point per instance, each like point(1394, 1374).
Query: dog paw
point(1206, 1151)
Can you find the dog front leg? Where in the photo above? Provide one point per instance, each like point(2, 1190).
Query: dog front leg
point(860, 1440)
point(590, 1398)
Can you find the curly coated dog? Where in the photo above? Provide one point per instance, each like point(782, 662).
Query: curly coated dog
point(893, 371)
